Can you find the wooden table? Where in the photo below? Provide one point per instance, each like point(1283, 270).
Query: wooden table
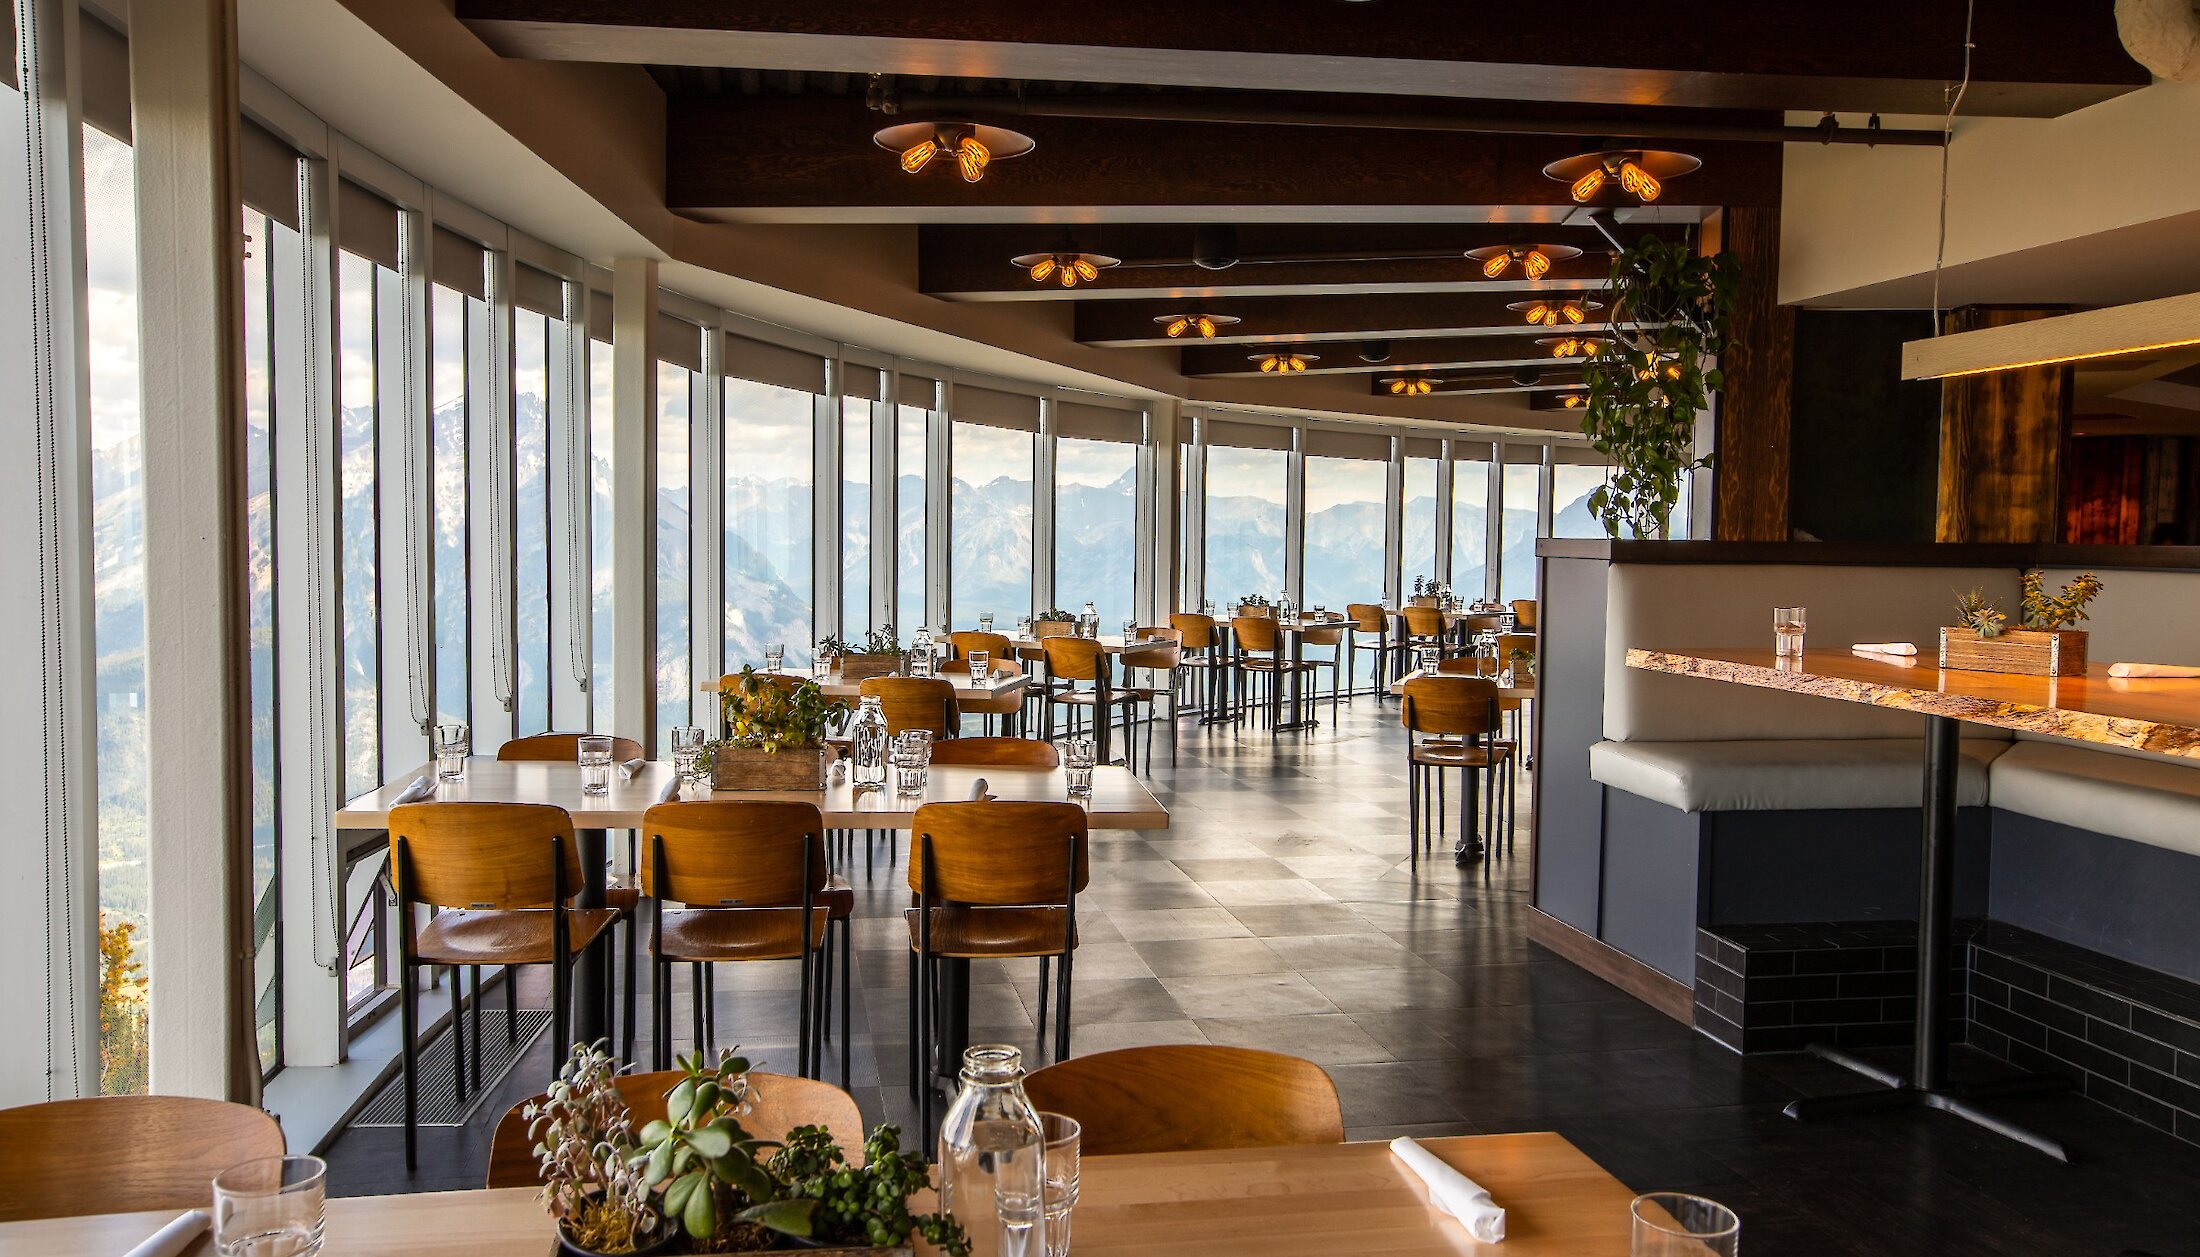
point(2151, 715)
point(1000, 685)
point(1509, 693)
point(1261, 1202)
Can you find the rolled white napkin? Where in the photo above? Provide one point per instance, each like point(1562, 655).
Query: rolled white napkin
point(1884, 648)
point(671, 792)
point(1453, 1192)
point(628, 769)
point(2164, 671)
point(977, 791)
point(420, 789)
point(173, 1239)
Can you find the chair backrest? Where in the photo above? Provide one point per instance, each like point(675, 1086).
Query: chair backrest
point(1185, 1098)
point(1328, 635)
point(1457, 705)
point(1160, 633)
point(1424, 621)
point(1368, 617)
point(1484, 622)
point(1507, 643)
point(733, 852)
point(777, 1104)
point(997, 752)
point(1461, 666)
point(1000, 852)
point(123, 1154)
point(915, 703)
point(1254, 634)
point(562, 748)
point(1524, 612)
point(995, 645)
point(1198, 631)
point(1075, 659)
point(1158, 654)
point(483, 855)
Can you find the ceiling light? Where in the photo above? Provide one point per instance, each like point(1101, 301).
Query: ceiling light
point(1533, 260)
point(1284, 363)
point(1621, 174)
point(1068, 268)
point(1410, 386)
point(972, 146)
point(1555, 311)
point(1200, 325)
point(1573, 401)
point(1570, 346)
point(2111, 331)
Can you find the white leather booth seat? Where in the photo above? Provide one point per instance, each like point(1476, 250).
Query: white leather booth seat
point(2151, 800)
point(1787, 775)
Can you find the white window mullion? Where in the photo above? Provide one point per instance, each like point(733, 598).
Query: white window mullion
point(1394, 523)
point(404, 488)
point(1443, 512)
point(1493, 540)
point(707, 520)
point(1042, 508)
point(570, 553)
point(825, 503)
point(939, 518)
point(491, 667)
point(1294, 515)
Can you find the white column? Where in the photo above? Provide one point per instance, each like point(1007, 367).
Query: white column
point(1294, 515)
point(825, 505)
point(886, 506)
point(183, 87)
point(1394, 522)
point(1493, 531)
point(707, 524)
point(1543, 485)
point(570, 616)
point(634, 499)
point(404, 492)
point(1195, 515)
point(49, 896)
point(1154, 576)
point(1042, 509)
point(939, 519)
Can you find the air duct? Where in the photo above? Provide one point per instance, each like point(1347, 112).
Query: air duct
point(2163, 36)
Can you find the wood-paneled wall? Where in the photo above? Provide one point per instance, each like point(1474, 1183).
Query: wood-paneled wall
point(2002, 439)
point(1751, 451)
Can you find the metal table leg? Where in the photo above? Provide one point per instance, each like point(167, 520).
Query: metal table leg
point(592, 969)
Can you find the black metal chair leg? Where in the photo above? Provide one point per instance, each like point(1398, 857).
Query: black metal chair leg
point(458, 1030)
point(473, 1029)
point(847, 993)
point(1061, 1011)
point(633, 923)
point(695, 984)
point(1039, 1045)
point(408, 1026)
point(511, 1004)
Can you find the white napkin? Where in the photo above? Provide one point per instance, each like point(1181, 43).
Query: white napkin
point(171, 1240)
point(1884, 648)
point(977, 791)
point(671, 792)
point(628, 769)
point(2168, 671)
point(1453, 1192)
point(420, 789)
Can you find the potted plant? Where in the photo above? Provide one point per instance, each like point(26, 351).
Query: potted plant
point(1257, 607)
point(1522, 660)
point(880, 654)
point(1981, 641)
point(1670, 308)
point(1053, 622)
point(583, 1143)
point(775, 734)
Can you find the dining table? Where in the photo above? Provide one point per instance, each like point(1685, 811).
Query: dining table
point(1304, 1201)
point(999, 685)
point(2089, 706)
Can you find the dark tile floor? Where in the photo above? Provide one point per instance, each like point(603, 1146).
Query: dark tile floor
point(1279, 912)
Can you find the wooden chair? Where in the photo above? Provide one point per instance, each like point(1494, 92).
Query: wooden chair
point(1523, 610)
point(123, 1154)
point(1424, 626)
point(1190, 1098)
point(998, 752)
point(1002, 656)
point(915, 703)
point(993, 881)
point(751, 874)
point(1368, 619)
point(1460, 716)
point(562, 748)
point(777, 1104)
point(1202, 645)
point(1071, 660)
point(1333, 637)
point(1159, 655)
point(505, 873)
point(1260, 656)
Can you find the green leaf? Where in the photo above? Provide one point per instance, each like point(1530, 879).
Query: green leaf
point(788, 1217)
point(660, 1165)
point(678, 1104)
point(676, 1195)
point(710, 1142)
point(706, 1099)
point(700, 1215)
point(656, 1132)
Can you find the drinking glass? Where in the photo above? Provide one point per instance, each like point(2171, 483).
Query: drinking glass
point(452, 744)
point(775, 656)
point(1207, 608)
point(270, 1207)
point(981, 666)
point(1058, 1189)
point(912, 761)
point(1078, 757)
point(687, 751)
point(985, 622)
point(1787, 631)
point(1130, 631)
point(1675, 1224)
point(1425, 658)
point(595, 757)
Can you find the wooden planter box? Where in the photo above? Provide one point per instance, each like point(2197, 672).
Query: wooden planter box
point(1053, 628)
point(855, 668)
point(2021, 651)
point(747, 768)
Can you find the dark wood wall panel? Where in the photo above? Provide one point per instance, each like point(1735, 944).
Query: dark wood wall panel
point(2103, 484)
point(1851, 399)
point(2002, 435)
point(1753, 438)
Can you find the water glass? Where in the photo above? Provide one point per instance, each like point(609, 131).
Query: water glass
point(687, 752)
point(912, 754)
point(1425, 658)
point(1130, 631)
point(985, 622)
point(775, 656)
point(270, 1207)
point(595, 757)
point(1675, 1224)
point(981, 666)
point(1207, 608)
point(453, 743)
point(1787, 632)
point(1058, 1188)
point(1078, 757)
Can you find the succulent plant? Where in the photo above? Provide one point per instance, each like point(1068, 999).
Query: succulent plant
point(764, 714)
point(582, 1136)
point(1977, 612)
point(2048, 612)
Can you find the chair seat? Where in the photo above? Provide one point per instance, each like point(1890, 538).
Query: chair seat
point(622, 899)
point(967, 931)
point(1277, 665)
point(519, 937)
point(1086, 698)
point(838, 898)
point(1007, 706)
point(729, 934)
point(1460, 755)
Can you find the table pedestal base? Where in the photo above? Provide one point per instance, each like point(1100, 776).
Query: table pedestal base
point(1898, 1093)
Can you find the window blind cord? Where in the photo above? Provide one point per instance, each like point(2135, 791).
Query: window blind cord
point(321, 856)
point(500, 437)
point(577, 559)
point(1947, 139)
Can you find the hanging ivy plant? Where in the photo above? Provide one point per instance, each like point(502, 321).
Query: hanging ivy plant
point(1646, 385)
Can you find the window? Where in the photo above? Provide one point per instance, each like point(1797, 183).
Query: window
point(447, 406)
point(1470, 524)
point(990, 513)
point(1516, 570)
point(675, 407)
point(1571, 485)
point(1417, 554)
point(909, 514)
point(855, 515)
point(601, 606)
point(267, 236)
point(1344, 525)
point(1245, 504)
point(356, 286)
point(531, 356)
point(769, 495)
point(1096, 527)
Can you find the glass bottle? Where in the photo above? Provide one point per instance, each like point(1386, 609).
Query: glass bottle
point(990, 1150)
point(867, 745)
point(1088, 622)
point(920, 652)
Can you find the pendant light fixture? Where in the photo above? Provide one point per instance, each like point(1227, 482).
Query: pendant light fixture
point(1203, 326)
point(1555, 311)
point(968, 146)
point(1068, 268)
point(1532, 261)
point(1283, 363)
point(1570, 346)
point(1635, 174)
point(1409, 385)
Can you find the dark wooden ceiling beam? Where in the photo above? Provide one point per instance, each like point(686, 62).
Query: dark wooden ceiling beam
point(2034, 57)
point(811, 159)
point(1515, 347)
point(1304, 320)
point(1548, 380)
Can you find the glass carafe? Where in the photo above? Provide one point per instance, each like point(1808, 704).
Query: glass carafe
point(1088, 622)
point(990, 1151)
point(920, 653)
point(867, 745)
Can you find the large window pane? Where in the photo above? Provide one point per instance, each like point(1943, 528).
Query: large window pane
point(674, 407)
point(531, 518)
point(769, 491)
point(1516, 573)
point(990, 509)
point(1245, 502)
point(1344, 525)
point(447, 400)
point(855, 517)
point(1470, 527)
point(909, 516)
point(600, 603)
point(1417, 556)
point(266, 235)
point(361, 616)
point(1096, 527)
point(1571, 485)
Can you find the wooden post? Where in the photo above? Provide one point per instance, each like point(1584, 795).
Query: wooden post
point(1750, 462)
point(2001, 443)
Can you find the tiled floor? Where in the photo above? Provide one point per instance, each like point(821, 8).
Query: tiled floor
point(1279, 912)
